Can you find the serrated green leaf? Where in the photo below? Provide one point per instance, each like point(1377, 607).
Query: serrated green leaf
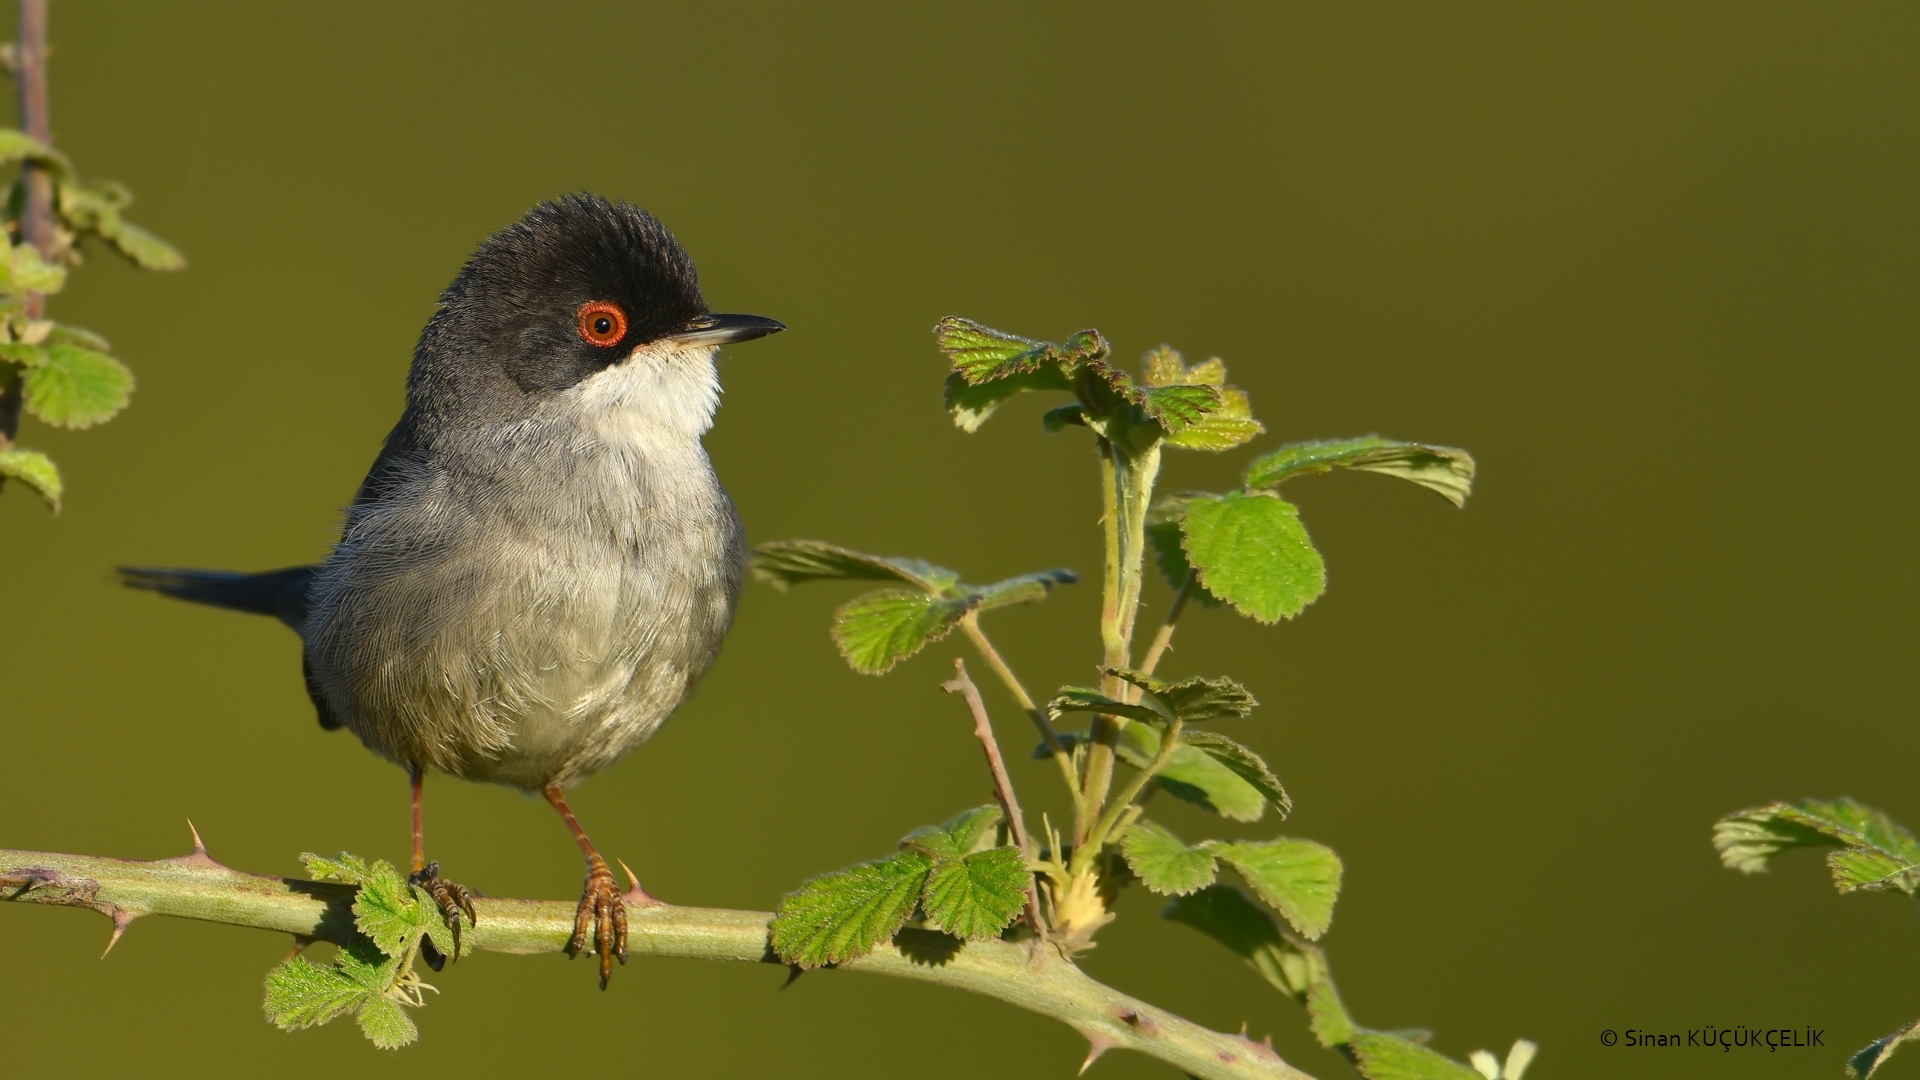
point(839, 916)
point(364, 963)
point(21, 353)
point(971, 404)
point(1164, 863)
point(977, 897)
point(792, 562)
point(27, 270)
point(1164, 520)
point(302, 994)
point(348, 868)
point(1024, 589)
point(1441, 469)
point(977, 350)
point(34, 469)
point(1298, 878)
point(1294, 967)
point(880, 629)
point(1381, 1056)
point(1193, 777)
point(1875, 1054)
point(1877, 853)
point(385, 1023)
point(146, 250)
point(76, 387)
point(1244, 763)
point(1194, 700)
point(389, 911)
point(959, 837)
point(1251, 551)
point(1073, 699)
point(1179, 408)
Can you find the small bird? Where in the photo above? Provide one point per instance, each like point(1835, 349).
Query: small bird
point(541, 563)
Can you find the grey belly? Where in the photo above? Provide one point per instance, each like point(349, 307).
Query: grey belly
point(522, 655)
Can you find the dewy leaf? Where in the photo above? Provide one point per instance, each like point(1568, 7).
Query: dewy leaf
point(1875, 1054)
point(880, 629)
point(1072, 699)
point(1164, 863)
point(791, 562)
point(1293, 967)
point(1191, 776)
point(1299, 878)
point(301, 994)
point(385, 1023)
point(76, 387)
point(1380, 1056)
point(962, 836)
point(1441, 469)
point(146, 250)
point(1252, 552)
point(34, 469)
point(839, 916)
point(1876, 852)
point(977, 897)
point(1244, 763)
point(1024, 589)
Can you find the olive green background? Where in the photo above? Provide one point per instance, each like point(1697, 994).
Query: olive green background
point(1653, 264)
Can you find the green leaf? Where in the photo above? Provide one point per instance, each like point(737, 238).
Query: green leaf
point(1164, 520)
point(1164, 863)
point(1072, 699)
point(34, 469)
point(971, 404)
point(146, 250)
point(1194, 700)
point(76, 387)
point(302, 994)
point(74, 335)
point(791, 562)
point(990, 366)
point(1875, 1054)
point(839, 916)
point(389, 912)
point(1179, 408)
point(1298, 878)
point(19, 146)
point(1294, 967)
point(977, 897)
point(1024, 589)
point(385, 1023)
point(1244, 763)
point(1062, 417)
point(1226, 425)
point(27, 270)
point(959, 837)
point(1441, 469)
point(880, 629)
point(977, 351)
point(1380, 1056)
point(1193, 777)
point(1876, 853)
point(1251, 551)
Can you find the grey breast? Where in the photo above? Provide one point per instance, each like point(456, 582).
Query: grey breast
point(527, 605)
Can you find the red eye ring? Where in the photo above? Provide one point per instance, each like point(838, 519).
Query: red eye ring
point(602, 323)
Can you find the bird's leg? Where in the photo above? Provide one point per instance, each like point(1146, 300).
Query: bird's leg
point(601, 903)
point(451, 898)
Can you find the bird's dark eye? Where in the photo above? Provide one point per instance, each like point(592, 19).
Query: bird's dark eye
point(602, 323)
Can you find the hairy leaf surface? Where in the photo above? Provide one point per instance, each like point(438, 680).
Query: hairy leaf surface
point(1193, 700)
point(77, 387)
point(1299, 878)
point(1875, 852)
point(959, 837)
point(34, 469)
point(1293, 966)
point(977, 897)
point(1251, 551)
point(1193, 777)
point(839, 916)
point(790, 562)
point(1164, 863)
point(1244, 763)
point(302, 994)
point(1381, 1056)
point(1440, 469)
point(880, 629)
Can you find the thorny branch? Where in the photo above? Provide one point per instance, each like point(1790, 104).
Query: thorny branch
point(1002, 783)
point(194, 886)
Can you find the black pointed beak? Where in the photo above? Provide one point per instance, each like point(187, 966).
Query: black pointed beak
point(721, 329)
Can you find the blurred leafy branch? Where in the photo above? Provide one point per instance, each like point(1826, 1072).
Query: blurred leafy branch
point(1870, 852)
point(63, 375)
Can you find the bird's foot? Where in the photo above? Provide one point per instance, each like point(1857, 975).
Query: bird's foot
point(453, 900)
point(603, 910)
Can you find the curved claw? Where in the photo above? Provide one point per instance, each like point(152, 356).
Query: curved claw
point(603, 910)
point(453, 899)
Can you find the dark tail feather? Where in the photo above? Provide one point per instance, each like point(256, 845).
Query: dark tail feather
point(280, 593)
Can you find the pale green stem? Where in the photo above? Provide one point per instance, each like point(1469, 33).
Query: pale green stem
point(1169, 742)
point(1105, 729)
point(1035, 979)
point(971, 624)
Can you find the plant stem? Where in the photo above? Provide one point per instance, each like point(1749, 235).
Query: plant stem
point(196, 887)
point(1002, 783)
point(1105, 730)
point(971, 624)
point(1169, 742)
point(36, 215)
point(1164, 639)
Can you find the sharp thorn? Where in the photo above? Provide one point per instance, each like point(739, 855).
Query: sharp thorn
point(1096, 1045)
point(198, 856)
point(122, 918)
point(794, 971)
point(199, 845)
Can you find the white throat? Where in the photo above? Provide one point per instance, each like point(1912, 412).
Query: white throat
point(662, 397)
